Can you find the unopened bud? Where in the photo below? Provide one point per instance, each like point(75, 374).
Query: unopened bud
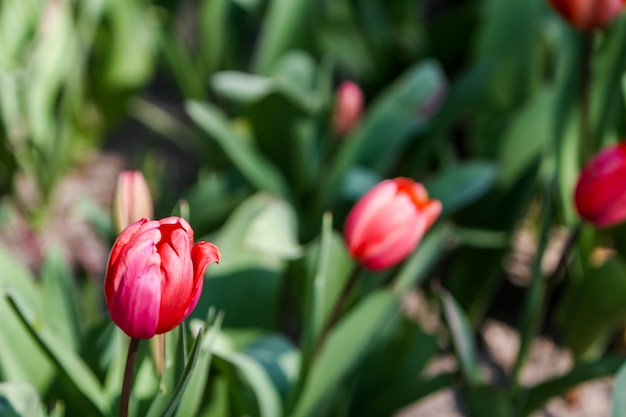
point(348, 107)
point(132, 200)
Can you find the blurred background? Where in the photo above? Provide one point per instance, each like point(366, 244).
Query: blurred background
point(230, 109)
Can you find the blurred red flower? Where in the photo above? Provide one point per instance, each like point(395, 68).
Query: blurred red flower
point(600, 194)
point(388, 222)
point(588, 14)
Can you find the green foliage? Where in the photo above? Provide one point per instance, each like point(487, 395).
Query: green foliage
point(227, 106)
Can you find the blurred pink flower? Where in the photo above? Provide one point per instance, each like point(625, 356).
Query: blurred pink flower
point(155, 275)
point(600, 194)
point(348, 107)
point(388, 222)
point(588, 14)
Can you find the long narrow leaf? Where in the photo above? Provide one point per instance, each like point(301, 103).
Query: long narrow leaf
point(462, 336)
point(66, 360)
point(192, 397)
point(257, 170)
point(184, 380)
point(536, 396)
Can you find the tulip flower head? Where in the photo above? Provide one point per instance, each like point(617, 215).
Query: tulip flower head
point(348, 106)
point(600, 194)
point(132, 200)
point(388, 222)
point(588, 14)
point(155, 275)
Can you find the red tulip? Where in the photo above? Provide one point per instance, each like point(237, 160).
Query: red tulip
point(132, 200)
point(388, 222)
point(588, 14)
point(600, 194)
point(155, 274)
point(348, 106)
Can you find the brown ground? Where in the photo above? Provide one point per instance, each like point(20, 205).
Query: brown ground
point(546, 360)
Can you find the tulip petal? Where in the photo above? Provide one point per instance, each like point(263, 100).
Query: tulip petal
point(599, 195)
point(202, 254)
point(178, 223)
point(395, 235)
point(121, 243)
point(134, 302)
point(389, 221)
point(177, 276)
point(366, 212)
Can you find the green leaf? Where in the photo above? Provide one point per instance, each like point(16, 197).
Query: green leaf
point(619, 393)
point(344, 346)
point(328, 267)
point(17, 21)
point(134, 35)
point(19, 399)
point(244, 271)
point(252, 165)
point(293, 79)
point(608, 72)
point(174, 362)
point(460, 185)
point(273, 232)
point(295, 72)
point(254, 376)
point(58, 299)
point(462, 336)
point(597, 310)
point(65, 359)
point(487, 401)
point(528, 136)
point(21, 359)
point(411, 349)
point(213, 24)
point(396, 114)
point(242, 87)
point(211, 200)
point(535, 397)
point(184, 380)
point(112, 344)
point(192, 397)
point(52, 57)
point(279, 358)
point(285, 27)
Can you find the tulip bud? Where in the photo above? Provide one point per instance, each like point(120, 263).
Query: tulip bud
point(600, 194)
point(388, 222)
point(348, 106)
point(588, 14)
point(155, 275)
point(132, 200)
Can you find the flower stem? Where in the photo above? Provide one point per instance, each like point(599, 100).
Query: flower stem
point(129, 372)
point(333, 318)
point(585, 97)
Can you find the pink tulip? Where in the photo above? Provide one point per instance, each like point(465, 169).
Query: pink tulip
point(348, 106)
point(132, 200)
point(588, 14)
point(388, 222)
point(600, 194)
point(154, 276)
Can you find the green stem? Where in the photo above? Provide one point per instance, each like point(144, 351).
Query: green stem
point(565, 254)
point(586, 145)
point(129, 372)
point(340, 304)
point(533, 308)
point(317, 342)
